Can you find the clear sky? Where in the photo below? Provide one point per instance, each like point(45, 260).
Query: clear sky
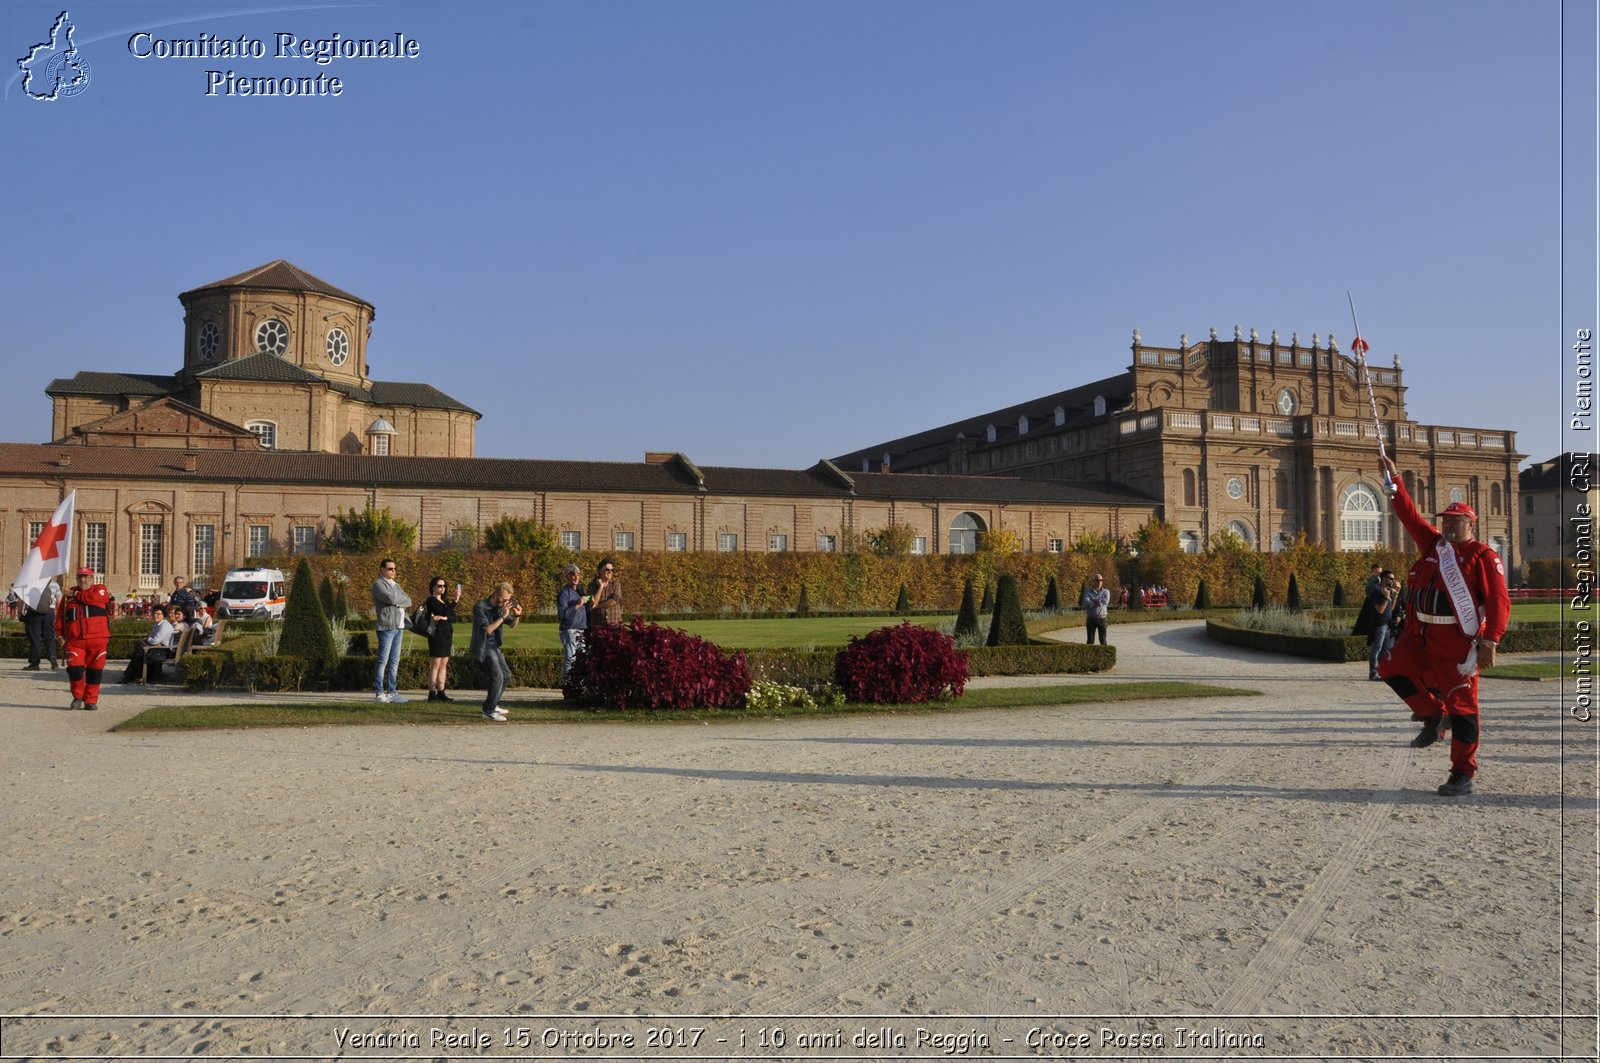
point(767, 232)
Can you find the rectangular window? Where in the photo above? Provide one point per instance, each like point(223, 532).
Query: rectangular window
point(827, 544)
point(1530, 536)
point(622, 541)
point(150, 554)
point(260, 537)
point(205, 554)
point(94, 548)
point(777, 544)
point(35, 529)
point(1056, 546)
point(572, 540)
point(727, 542)
point(919, 544)
point(1527, 504)
point(677, 542)
point(305, 539)
point(380, 445)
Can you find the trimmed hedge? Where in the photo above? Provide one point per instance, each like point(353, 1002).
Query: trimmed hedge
point(1316, 647)
point(1524, 638)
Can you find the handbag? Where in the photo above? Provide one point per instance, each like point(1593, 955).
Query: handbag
point(422, 622)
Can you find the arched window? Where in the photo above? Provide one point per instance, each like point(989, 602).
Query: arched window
point(1360, 519)
point(1061, 416)
point(964, 532)
point(1190, 541)
point(989, 433)
point(266, 431)
point(1022, 425)
point(1496, 503)
point(1099, 405)
point(1189, 488)
point(1243, 531)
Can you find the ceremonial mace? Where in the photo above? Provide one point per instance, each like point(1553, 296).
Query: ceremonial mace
point(1359, 346)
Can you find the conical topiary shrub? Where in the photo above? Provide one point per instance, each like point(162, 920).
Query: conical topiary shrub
point(1202, 596)
point(341, 609)
point(987, 604)
point(1258, 600)
point(325, 595)
point(1006, 627)
point(306, 634)
point(1339, 599)
point(1293, 598)
point(902, 604)
point(1052, 595)
point(967, 616)
point(804, 605)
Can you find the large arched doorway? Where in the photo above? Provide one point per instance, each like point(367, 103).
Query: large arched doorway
point(1360, 519)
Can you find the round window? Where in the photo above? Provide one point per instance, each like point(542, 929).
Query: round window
point(1287, 403)
point(210, 335)
point(338, 346)
point(1235, 487)
point(272, 337)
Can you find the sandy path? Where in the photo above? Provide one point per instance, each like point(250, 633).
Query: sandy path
point(1137, 869)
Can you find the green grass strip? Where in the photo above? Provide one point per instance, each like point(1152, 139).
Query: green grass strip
point(551, 709)
point(1531, 670)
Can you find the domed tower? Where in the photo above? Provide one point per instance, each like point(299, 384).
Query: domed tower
point(280, 310)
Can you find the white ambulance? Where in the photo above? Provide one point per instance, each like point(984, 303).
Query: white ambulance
point(258, 593)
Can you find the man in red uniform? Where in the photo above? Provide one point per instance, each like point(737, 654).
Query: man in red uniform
point(1456, 610)
point(83, 622)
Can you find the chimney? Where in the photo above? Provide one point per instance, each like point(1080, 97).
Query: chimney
point(65, 461)
point(657, 457)
point(191, 462)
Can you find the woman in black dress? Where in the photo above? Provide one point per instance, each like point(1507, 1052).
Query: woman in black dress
point(444, 615)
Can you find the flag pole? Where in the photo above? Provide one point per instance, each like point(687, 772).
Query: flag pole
point(1359, 346)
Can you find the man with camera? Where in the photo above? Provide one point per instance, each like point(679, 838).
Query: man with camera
point(489, 617)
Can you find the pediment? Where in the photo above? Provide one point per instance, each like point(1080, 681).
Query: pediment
point(165, 422)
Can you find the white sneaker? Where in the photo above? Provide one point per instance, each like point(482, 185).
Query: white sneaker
point(494, 717)
point(382, 697)
point(396, 699)
point(499, 714)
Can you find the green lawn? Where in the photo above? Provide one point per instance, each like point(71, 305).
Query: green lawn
point(1552, 612)
point(1525, 671)
point(547, 707)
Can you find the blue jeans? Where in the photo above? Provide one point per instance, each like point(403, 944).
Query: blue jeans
point(1377, 646)
point(498, 672)
point(388, 660)
point(571, 643)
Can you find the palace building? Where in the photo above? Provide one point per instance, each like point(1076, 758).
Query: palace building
point(1260, 438)
point(273, 425)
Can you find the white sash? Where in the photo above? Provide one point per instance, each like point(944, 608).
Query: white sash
point(1456, 583)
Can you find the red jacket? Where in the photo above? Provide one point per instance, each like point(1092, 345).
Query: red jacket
point(85, 616)
point(1485, 575)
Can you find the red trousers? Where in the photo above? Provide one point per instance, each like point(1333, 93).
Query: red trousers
point(1424, 669)
point(86, 663)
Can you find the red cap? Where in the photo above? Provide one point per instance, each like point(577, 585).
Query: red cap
point(1459, 509)
point(86, 571)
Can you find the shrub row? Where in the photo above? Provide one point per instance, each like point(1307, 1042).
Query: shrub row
point(229, 667)
point(1316, 647)
point(700, 584)
point(1524, 638)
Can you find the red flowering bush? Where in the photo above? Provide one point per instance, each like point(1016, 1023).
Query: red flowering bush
point(645, 666)
point(901, 665)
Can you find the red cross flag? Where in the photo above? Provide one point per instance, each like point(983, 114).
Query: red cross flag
point(51, 555)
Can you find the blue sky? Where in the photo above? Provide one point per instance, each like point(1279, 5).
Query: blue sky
point(764, 233)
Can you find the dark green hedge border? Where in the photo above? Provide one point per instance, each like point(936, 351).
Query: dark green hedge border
point(1524, 638)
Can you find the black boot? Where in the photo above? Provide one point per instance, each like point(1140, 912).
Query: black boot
point(1429, 733)
point(1458, 785)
